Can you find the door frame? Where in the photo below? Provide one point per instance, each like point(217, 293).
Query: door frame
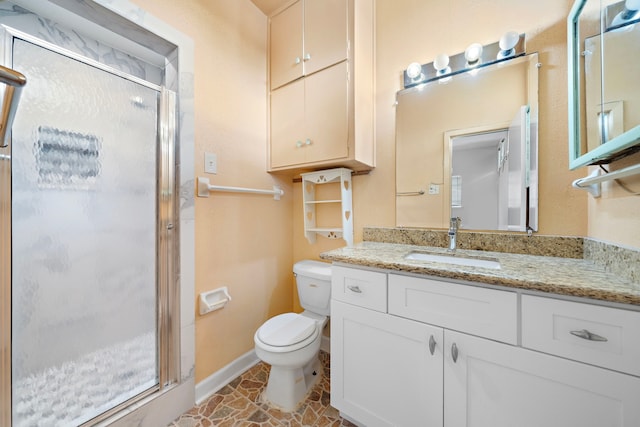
point(167, 238)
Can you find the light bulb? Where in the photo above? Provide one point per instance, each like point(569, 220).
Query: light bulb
point(632, 4)
point(507, 43)
point(509, 40)
point(473, 53)
point(441, 62)
point(414, 70)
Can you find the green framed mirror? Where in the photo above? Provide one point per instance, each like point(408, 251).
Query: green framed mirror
point(604, 89)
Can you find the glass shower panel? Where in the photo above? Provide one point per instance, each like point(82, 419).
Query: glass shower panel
point(83, 240)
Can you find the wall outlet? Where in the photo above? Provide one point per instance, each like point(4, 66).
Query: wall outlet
point(434, 189)
point(210, 163)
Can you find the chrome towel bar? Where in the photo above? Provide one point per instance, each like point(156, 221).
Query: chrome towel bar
point(592, 183)
point(204, 188)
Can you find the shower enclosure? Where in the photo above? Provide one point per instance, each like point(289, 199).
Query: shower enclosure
point(87, 238)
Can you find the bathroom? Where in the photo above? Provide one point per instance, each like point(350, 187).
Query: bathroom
point(250, 243)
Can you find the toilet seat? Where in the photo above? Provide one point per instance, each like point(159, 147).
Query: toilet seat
point(287, 332)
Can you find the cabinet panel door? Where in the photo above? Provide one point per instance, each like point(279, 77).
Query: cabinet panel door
point(498, 385)
point(285, 45)
point(489, 313)
point(287, 125)
point(325, 33)
point(382, 371)
point(326, 114)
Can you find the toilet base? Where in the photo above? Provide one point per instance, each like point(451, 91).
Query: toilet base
point(287, 387)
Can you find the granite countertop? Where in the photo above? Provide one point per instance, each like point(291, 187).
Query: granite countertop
point(562, 276)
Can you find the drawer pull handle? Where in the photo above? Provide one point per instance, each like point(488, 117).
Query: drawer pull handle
point(454, 352)
point(432, 345)
point(355, 289)
point(586, 335)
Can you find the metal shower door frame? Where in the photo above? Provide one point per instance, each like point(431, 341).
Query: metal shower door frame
point(167, 237)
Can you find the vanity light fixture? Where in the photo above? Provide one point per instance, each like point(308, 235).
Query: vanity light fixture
point(476, 56)
point(507, 44)
point(630, 13)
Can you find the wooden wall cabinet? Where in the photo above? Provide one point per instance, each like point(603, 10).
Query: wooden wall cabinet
point(306, 37)
point(321, 86)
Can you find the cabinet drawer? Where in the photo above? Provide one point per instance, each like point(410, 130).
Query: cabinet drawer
point(363, 288)
point(489, 313)
point(601, 336)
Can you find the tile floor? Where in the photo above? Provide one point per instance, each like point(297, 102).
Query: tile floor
point(240, 404)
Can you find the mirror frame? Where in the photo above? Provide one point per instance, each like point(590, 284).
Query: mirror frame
point(605, 152)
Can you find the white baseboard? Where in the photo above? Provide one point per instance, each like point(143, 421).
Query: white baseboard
point(325, 344)
point(224, 376)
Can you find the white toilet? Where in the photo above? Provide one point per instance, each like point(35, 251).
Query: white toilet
point(290, 342)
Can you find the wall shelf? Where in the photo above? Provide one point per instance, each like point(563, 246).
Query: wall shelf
point(344, 227)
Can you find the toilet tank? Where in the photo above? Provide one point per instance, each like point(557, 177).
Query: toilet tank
point(313, 279)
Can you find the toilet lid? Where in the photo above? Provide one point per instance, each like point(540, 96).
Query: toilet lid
point(286, 329)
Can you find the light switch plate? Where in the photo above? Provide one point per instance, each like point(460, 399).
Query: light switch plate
point(210, 163)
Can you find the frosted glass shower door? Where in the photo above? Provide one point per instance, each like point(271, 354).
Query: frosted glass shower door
point(84, 269)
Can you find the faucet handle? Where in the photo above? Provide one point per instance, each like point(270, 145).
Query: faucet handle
point(455, 221)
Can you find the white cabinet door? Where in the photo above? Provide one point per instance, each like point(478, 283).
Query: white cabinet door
point(382, 369)
point(498, 385)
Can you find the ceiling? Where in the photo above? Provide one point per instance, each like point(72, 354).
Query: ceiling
point(269, 6)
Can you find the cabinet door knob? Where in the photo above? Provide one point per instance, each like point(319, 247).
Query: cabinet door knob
point(298, 60)
point(586, 335)
point(307, 56)
point(308, 142)
point(355, 289)
point(298, 144)
point(432, 345)
point(454, 352)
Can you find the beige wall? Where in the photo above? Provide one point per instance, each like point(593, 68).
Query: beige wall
point(250, 242)
point(242, 241)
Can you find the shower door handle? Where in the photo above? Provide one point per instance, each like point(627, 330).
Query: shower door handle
point(14, 81)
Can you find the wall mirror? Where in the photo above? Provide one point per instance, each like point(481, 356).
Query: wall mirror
point(604, 89)
point(467, 147)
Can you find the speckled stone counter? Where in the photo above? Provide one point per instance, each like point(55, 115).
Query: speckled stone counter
point(557, 275)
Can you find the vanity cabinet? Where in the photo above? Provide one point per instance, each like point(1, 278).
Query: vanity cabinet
point(481, 370)
point(321, 86)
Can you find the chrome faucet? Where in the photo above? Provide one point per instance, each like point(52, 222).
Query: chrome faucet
point(453, 233)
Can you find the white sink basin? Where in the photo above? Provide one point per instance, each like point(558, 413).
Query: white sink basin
point(456, 259)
